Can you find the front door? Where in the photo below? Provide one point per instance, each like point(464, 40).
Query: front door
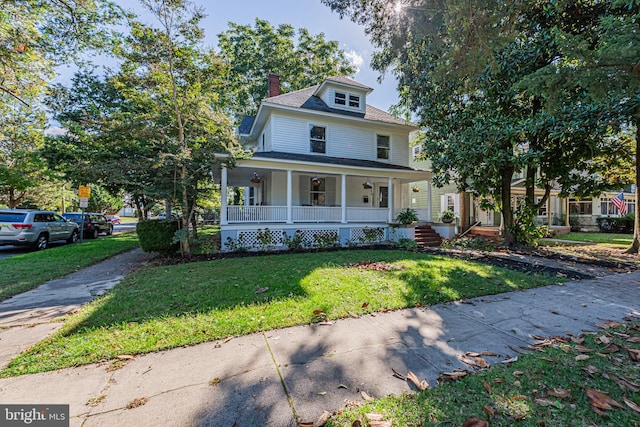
point(383, 197)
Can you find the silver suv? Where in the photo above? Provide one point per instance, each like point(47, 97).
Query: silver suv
point(24, 227)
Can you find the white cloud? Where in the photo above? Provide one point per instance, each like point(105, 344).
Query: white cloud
point(355, 58)
point(55, 131)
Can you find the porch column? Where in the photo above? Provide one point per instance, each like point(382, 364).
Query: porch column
point(289, 197)
point(566, 213)
point(223, 196)
point(390, 196)
point(343, 198)
point(429, 206)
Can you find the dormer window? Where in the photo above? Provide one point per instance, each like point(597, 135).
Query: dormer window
point(340, 98)
point(354, 101)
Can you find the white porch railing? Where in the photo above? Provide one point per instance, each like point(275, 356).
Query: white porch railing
point(251, 214)
point(276, 214)
point(317, 214)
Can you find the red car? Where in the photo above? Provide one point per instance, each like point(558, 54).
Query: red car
point(114, 219)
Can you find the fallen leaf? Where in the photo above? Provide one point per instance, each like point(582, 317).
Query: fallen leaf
point(366, 396)
point(322, 420)
point(632, 405)
point(600, 400)
point(603, 339)
point(262, 290)
point(342, 386)
point(577, 340)
point(634, 355)
point(553, 312)
point(365, 305)
point(479, 361)
point(590, 369)
point(325, 323)
point(316, 312)
point(322, 393)
point(137, 402)
point(517, 373)
point(475, 422)
point(582, 357)
point(373, 417)
point(355, 316)
point(420, 385)
point(489, 410)
point(622, 382)
point(561, 393)
point(226, 340)
point(487, 386)
point(513, 359)
point(126, 357)
point(454, 375)
point(582, 349)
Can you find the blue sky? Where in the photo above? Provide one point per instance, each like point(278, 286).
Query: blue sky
point(309, 14)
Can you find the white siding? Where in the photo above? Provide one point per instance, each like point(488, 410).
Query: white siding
point(291, 135)
point(328, 96)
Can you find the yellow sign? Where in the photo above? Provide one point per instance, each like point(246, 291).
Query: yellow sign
point(84, 191)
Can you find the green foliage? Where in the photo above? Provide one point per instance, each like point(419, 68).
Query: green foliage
point(254, 52)
point(266, 240)
point(325, 239)
point(407, 216)
point(473, 243)
point(623, 224)
point(294, 243)
point(158, 236)
point(236, 245)
point(525, 229)
point(447, 215)
point(407, 244)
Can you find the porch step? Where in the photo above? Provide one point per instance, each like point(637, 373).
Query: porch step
point(427, 236)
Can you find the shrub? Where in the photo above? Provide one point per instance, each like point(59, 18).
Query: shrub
point(623, 224)
point(158, 236)
point(407, 244)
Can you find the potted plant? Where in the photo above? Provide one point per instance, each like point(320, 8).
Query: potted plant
point(415, 189)
point(315, 181)
point(407, 216)
point(255, 178)
point(367, 185)
point(447, 216)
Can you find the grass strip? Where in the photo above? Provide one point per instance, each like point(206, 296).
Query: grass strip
point(23, 272)
point(607, 239)
point(560, 385)
point(170, 306)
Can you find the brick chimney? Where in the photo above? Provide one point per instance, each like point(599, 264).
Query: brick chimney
point(274, 85)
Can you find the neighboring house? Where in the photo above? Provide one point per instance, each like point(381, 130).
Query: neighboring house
point(326, 168)
point(584, 212)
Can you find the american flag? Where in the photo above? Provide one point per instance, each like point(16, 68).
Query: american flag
point(619, 203)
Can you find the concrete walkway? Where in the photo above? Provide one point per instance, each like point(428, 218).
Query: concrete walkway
point(281, 377)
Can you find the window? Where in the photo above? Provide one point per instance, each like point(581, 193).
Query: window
point(340, 98)
point(318, 191)
point(581, 206)
point(383, 147)
point(354, 101)
point(318, 139)
point(417, 151)
point(608, 208)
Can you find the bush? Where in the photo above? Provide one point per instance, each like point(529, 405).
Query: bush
point(157, 236)
point(623, 224)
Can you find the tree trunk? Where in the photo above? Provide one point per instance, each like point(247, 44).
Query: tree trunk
point(507, 209)
point(635, 245)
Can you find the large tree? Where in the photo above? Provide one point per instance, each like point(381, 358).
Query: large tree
point(459, 66)
point(598, 53)
point(254, 52)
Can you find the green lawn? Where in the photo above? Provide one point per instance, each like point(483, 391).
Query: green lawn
point(169, 306)
point(31, 269)
point(545, 388)
point(608, 239)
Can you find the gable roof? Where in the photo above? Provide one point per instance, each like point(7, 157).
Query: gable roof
point(306, 99)
point(342, 81)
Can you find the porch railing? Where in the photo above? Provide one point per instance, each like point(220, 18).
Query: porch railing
point(278, 214)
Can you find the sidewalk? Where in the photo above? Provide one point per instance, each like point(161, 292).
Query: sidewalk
point(280, 377)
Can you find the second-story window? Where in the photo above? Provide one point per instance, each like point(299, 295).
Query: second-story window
point(383, 147)
point(354, 101)
point(340, 98)
point(318, 139)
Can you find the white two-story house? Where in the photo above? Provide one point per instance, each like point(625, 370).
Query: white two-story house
point(326, 167)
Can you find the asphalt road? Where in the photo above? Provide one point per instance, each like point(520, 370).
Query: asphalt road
point(9, 251)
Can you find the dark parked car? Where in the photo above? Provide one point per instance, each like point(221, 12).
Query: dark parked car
point(94, 223)
point(25, 227)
